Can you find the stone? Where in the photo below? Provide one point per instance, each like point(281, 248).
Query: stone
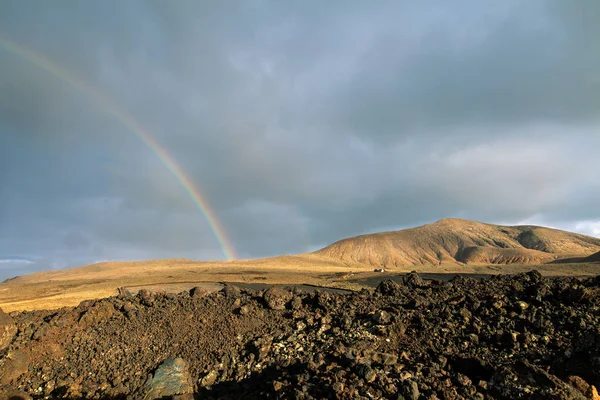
point(296, 303)
point(410, 390)
point(388, 288)
point(463, 380)
point(385, 358)
point(277, 386)
point(465, 313)
point(366, 372)
point(338, 387)
point(49, 388)
point(382, 317)
point(198, 292)
point(413, 280)
point(276, 299)
point(244, 310)
point(592, 393)
point(578, 383)
point(209, 379)
point(15, 364)
point(146, 297)
point(261, 347)
point(170, 379)
point(522, 305)
point(7, 330)
point(100, 311)
point(40, 332)
point(231, 291)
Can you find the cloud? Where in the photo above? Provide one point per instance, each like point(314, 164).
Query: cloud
point(15, 261)
point(300, 123)
point(591, 228)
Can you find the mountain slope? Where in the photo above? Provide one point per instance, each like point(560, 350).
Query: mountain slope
point(593, 258)
point(451, 241)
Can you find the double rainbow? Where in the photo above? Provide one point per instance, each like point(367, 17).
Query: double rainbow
point(136, 127)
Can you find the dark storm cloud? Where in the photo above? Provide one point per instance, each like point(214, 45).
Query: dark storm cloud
point(521, 70)
point(302, 123)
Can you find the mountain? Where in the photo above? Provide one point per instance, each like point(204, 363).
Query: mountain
point(458, 241)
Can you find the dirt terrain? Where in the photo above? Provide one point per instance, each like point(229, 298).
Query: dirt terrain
point(447, 246)
point(521, 337)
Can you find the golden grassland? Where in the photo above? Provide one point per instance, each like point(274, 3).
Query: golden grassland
point(56, 289)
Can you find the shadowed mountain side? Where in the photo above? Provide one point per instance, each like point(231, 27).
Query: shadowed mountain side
point(451, 241)
point(593, 258)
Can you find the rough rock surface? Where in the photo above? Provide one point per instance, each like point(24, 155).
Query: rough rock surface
point(7, 330)
point(170, 379)
point(521, 337)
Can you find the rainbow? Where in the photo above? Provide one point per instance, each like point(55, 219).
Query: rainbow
point(134, 126)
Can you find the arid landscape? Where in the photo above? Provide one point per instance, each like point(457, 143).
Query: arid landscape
point(223, 200)
point(320, 325)
point(449, 246)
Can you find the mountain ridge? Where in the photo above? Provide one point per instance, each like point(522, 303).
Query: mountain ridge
point(460, 241)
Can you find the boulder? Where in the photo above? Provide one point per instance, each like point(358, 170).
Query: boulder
point(209, 379)
point(413, 280)
point(276, 299)
point(15, 364)
point(382, 317)
point(7, 330)
point(231, 291)
point(410, 390)
point(198, 292)
point(388, 288)
point(170, 379)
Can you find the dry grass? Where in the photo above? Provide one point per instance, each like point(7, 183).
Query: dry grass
point(51, 290)
point(55, 289)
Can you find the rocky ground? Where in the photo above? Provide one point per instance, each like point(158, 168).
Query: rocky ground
point(502, 338)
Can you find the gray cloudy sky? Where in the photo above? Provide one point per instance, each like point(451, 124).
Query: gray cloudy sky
point(302, 123)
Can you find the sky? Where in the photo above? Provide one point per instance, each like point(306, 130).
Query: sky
point(300, 123)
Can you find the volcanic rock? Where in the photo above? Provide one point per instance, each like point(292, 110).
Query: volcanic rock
point(466, 338)
point(7, 330)
point(170, 379)
point(12, 366)
point(276, 299)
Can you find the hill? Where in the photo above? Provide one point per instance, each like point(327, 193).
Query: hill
point(457, 241)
